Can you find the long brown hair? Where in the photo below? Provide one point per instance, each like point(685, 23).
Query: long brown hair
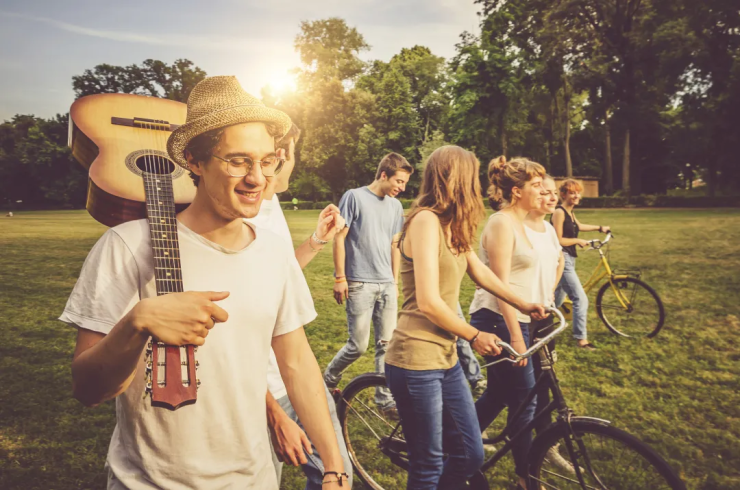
point(451, 189)
point(504, 175)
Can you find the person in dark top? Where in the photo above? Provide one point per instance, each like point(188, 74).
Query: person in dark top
point(567, 227)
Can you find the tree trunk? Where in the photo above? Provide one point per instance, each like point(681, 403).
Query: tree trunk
point(549, 145)
point(608, 171)
point(566, 139)
point(502, 132)
point(426, 130)
point(626, 164)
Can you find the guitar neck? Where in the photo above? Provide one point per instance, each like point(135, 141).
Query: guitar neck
point(173, 378)
point(162, 218)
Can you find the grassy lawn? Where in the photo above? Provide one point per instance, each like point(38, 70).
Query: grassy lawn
point(680, 391)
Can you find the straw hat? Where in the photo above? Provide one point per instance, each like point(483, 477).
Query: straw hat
point(217, 102)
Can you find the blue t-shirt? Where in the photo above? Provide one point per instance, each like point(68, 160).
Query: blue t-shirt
point(372, 221)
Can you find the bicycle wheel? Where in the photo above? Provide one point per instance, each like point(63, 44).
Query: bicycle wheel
point(641, 315)
point(374, 442)
point(608, 458)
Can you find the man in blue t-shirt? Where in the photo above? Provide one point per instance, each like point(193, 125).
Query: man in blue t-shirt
point(366, 267)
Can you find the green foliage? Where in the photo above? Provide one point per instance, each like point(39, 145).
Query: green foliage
point(152, 77)
point(36, 166)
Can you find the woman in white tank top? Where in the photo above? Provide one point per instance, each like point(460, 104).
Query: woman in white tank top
point(515, 189)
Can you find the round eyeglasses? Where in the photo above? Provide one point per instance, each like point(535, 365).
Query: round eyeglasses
point(241, 166)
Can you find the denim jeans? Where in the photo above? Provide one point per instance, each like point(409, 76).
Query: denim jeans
point(543, 395)
point(570, 284)
point(438, 415)
point(367, 302)
point(508, 386)
point(468, 361)
point(314, 468)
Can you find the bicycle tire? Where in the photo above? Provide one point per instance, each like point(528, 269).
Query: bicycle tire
point(548, 474)
point(373, 471)
point(613, 322)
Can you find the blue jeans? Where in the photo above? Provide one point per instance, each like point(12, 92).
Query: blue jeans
point(367, 302)
point(314, 468)
point(508, 386)
point(468, 361)
point(438, 415)
point(570, 284)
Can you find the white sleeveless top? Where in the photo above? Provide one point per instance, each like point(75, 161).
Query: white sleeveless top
point(521, 278)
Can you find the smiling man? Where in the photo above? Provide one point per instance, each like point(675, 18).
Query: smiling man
point(366, 268)
point(228, 144)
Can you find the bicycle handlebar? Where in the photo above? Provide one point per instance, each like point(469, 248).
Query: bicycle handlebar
point(516, 357)
point(597, 244)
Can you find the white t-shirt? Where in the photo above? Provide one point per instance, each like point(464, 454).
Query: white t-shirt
point(220, 441)
point(271, 217)
point(548, 249)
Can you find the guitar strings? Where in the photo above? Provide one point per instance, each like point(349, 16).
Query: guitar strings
point(160, 285)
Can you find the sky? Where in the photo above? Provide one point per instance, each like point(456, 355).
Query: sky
point(44, 43)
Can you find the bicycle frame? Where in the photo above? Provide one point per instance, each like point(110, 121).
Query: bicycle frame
point(557, 404)
point(602, 270)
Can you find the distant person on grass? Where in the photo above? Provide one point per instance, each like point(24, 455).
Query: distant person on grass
point(221, 441)
point(422, 370)
point(366, 268)
point(567, 227)
point(289, 440)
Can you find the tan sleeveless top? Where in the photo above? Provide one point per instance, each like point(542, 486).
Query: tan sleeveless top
point(524, 260)
point(417, 343)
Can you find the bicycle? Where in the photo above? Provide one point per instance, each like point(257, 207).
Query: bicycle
point(593, 449)
point(617, 299)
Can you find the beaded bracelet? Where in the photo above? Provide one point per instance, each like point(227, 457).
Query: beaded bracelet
point(317, 240)
point(341, 478)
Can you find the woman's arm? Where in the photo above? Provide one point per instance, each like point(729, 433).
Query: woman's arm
point(586, 227)
point(422, 246)
point(559, 272)
point(558, 218)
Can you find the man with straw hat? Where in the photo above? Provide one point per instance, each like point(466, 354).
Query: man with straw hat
point(243, 278)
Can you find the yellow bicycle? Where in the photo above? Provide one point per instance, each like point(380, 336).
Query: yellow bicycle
point(626, 304)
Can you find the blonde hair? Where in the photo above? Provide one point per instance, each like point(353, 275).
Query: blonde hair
point(450, 188)
point(503, 176)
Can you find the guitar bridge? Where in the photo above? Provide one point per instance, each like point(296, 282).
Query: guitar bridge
point(144, 123)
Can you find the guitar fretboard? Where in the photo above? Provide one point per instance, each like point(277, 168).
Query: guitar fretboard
point(160, 211)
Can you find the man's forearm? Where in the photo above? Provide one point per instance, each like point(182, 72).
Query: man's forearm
point(339, 254)
point(106, 369)
point(307, 394)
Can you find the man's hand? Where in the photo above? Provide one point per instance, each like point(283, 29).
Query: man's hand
point(330, 223)
point(341, 291)
point(289, 441)
point(180, 318)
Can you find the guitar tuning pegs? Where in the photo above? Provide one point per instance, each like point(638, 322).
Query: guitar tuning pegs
point(197, 365)
point(197, 383)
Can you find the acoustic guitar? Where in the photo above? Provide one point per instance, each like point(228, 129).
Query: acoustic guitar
point(121, 139)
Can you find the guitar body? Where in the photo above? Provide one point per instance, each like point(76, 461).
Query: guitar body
point(115, 154)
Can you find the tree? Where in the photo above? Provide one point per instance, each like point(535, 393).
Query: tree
point(153, 77)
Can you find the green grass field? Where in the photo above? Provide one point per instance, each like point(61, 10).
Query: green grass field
point(680, 391)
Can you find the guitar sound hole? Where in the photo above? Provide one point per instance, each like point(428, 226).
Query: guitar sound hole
point(155, 164)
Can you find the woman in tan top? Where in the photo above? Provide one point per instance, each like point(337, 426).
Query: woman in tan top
point(421, 366)
point(515, 189)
